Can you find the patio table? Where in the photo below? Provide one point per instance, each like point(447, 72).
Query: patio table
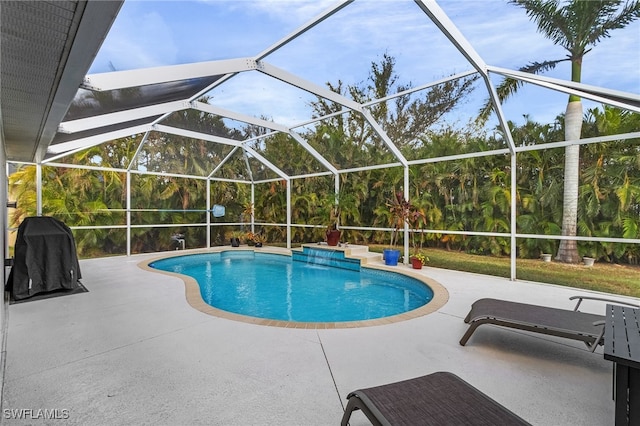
point(622, 346)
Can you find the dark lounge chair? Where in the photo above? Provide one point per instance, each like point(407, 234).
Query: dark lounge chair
point(576, 325)
point(439, 399)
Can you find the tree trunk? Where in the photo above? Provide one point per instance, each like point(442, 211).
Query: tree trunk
point(568, 250)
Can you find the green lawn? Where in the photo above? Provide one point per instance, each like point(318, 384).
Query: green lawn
point(605, 277)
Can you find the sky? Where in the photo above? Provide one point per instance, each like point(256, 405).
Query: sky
point(150, 33)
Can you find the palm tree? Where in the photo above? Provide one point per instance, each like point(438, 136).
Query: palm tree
point(576, 25)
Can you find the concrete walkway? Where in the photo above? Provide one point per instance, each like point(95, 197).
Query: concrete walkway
point(133, 352)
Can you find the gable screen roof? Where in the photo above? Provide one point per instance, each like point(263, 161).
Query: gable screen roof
point(76, 114)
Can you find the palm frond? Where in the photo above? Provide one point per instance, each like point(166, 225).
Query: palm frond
point(510, 86)
point(606, 19)
point(548, 16)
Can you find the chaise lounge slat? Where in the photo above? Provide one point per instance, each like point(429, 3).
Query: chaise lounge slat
point(438, 399)
point(570, 324)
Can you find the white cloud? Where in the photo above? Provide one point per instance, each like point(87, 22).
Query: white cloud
point(255, 94)
point(139, 41)
point(343, 47)
point(296, 11)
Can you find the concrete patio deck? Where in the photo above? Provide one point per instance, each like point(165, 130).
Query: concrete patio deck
point(132, 351)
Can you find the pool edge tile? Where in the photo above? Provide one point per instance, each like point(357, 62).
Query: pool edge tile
point(194, 298)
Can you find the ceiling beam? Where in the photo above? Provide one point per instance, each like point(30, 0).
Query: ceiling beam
point(90, 141)
point(212, 109)
point(303, 29)
point(311, 150)
point(300, 83)
point(448, 28)
point(146, 76)
point(266, 162)
point(105, 120)
point(611, 97)
point(444, 24)
point(385, 138)
point(195, 135)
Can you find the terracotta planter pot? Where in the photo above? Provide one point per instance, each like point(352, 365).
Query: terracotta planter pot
point(333, 237)
point(416, 263)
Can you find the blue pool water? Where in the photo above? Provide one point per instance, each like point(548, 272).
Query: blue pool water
point(276, 287)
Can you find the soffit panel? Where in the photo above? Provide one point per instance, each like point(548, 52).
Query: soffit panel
point(34, 36)
point(40, 60)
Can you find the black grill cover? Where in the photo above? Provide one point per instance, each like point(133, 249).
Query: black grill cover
point(45, 258)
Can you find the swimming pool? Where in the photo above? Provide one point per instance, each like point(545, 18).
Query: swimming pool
point(274, 287)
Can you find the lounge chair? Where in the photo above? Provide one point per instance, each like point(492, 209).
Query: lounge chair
point(439, 399)
point(576, 325)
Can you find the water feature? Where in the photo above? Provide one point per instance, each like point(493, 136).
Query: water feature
point(326, 257)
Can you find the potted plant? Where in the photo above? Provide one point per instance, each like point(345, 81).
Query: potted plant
point(333, 206)
point(235, 238)
point(259, 239)
point(401, 212)
point(328, 213)
point(418, 259)
point(332, 236)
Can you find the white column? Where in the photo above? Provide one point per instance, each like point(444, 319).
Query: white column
point(128, 189)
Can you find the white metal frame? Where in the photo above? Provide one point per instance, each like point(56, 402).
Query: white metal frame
point(224, 70)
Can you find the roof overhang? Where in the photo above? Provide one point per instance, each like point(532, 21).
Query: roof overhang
point(46, 51)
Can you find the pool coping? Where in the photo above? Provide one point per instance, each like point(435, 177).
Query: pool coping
point(194, 298)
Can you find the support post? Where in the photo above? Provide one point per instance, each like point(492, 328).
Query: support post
point(128, 189)
point(406, 225)
point(208, 207)
point(253, 211)
point(514, 207)
point(336, 196)
point(38, 189)
point(288, 182)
